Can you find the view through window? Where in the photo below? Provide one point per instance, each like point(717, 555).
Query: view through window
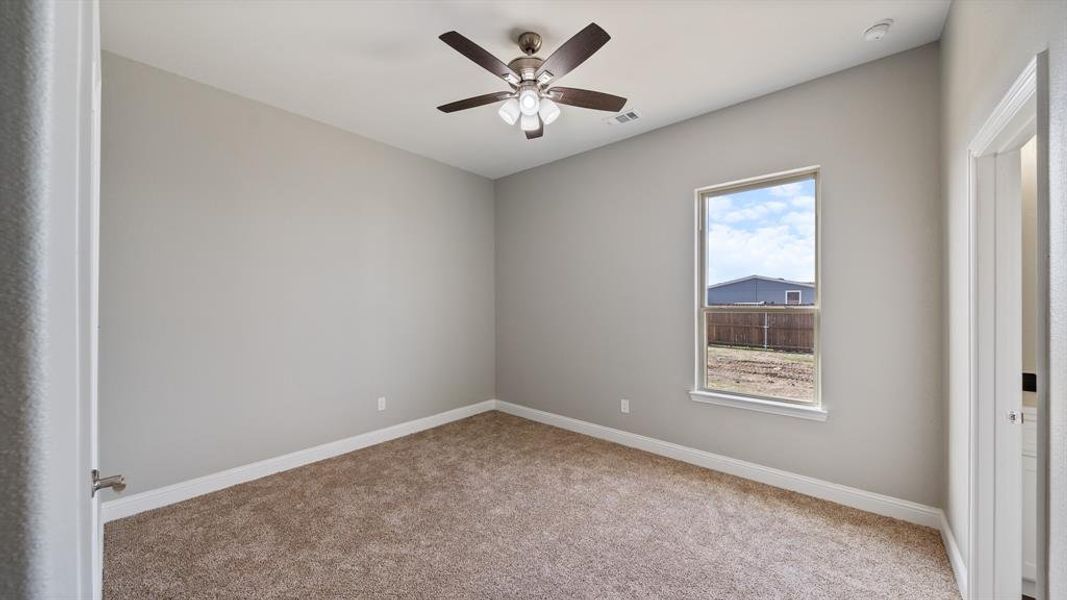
point(760, 298)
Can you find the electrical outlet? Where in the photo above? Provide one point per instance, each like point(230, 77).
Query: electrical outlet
point(381, 403)
point(624, 406)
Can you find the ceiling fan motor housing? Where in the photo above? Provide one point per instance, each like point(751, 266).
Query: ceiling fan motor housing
point(526, 67)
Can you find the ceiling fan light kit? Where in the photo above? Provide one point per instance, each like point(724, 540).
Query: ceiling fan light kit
point(549, 111)
point(509, 111)
point(529, 122)
point(531, 102)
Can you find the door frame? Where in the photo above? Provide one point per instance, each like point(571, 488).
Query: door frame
point(73, 566)
point(62, 527)
point(994, 368)
point(89, 273)
point(86, 232)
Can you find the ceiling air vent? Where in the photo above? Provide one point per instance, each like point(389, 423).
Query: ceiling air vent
point(626, 117)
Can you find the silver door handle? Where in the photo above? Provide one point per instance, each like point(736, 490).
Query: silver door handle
point(115, 482)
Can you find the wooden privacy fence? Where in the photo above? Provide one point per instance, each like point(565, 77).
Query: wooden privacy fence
point(778, 330)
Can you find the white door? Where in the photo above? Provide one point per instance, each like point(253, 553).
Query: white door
point(1007, 535)
point(65, 46)
point(59, 137)
point(72, 284)
point(89, 274)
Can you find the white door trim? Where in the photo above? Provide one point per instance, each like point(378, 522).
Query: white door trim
point(65, 515)
point(89, 269)
point(1008, 126)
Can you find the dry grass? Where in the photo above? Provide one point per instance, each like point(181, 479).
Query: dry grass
point(762, 372)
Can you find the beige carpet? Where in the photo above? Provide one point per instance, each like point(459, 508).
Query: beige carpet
point(495, 506)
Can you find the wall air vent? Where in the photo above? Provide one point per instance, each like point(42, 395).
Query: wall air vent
point(624, 117)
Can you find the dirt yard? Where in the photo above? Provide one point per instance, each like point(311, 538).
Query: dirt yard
point(762, 373)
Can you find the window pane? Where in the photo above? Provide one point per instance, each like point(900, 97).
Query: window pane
point(766, 239)
point(762, 354)
point(760, 251)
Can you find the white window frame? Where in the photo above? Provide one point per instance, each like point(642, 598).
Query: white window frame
point(816, 410)
point(800, 297)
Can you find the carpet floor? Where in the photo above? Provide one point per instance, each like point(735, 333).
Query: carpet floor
point(495, 506)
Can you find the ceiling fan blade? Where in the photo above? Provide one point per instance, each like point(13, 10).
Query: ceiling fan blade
point(536, 133)
point(575, 51)
point(474, 102)
point(480, 56)
point(587, 99)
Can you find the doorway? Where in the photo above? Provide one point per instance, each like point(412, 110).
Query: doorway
point(1030, 341)
point(1009, 308)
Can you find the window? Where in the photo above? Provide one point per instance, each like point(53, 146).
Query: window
point(758, 311)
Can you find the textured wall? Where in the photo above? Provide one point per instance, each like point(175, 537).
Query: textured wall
point(264, 280)
point(595, 278)
point(23, 66)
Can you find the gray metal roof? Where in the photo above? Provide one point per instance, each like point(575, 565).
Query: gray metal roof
point(809, 284)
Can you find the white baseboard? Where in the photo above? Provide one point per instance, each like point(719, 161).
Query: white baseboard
point(164, 496)
point(955, 558)
point(889, 506)
point(881, 504)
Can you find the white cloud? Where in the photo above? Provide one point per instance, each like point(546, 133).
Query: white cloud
point(787, 190)
point(802, 222)
point(784, 250)
point(719, 207)
point(723, 209)
point(770, 232)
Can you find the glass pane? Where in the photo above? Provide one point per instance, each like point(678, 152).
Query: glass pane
point(760, 251)
point(762, 354)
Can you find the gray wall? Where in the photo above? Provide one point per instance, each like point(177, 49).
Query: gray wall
point(985, 46)
point(575, 334)
point(263, 281)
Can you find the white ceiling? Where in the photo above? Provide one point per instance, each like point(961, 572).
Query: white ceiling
point(378, 69)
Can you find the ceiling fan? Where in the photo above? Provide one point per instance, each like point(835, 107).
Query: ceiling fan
point(531, 103)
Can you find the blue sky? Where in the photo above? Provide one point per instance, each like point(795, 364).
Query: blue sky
point(767, 231)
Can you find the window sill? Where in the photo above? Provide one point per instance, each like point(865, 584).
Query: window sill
point(813, 413)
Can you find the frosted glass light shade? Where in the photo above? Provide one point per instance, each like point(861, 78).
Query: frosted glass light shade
point(509, 111)
point(529, 102)
point(529, 122)
point(549, 111)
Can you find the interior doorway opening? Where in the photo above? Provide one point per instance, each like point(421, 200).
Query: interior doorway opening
point(1030, 340)
point(1009, 337)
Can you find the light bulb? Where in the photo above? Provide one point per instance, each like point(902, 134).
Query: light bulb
point(549, 111)
point(529, 123)
point(509, 111)
point(529, 102)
